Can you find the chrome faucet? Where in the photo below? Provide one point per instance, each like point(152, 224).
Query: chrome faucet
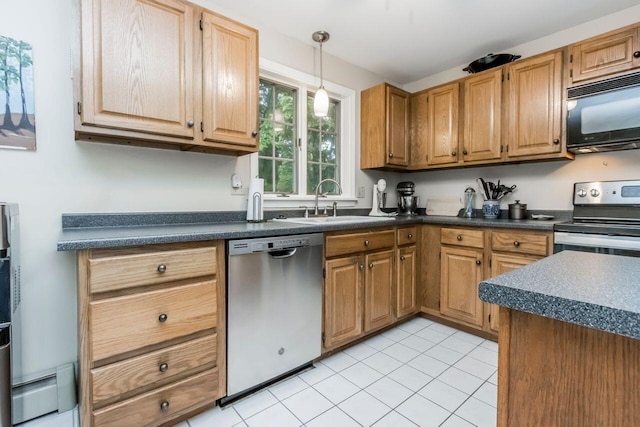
point(315, 210)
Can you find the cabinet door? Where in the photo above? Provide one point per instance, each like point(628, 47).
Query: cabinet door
point(534, 90)
point(608, 54)
point(500, 264)
point(406, 282)
point(397, 126)
point(461, 273)
point(378, 310)
point(343, 300)
point(482, 113)
point(443, 124)
point(419, 131)
point(230, 81)
point(137, 66)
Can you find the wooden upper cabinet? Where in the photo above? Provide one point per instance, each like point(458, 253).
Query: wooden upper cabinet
point(482, 117)
point(384, 121)
point(534, 113)
point(443, 124)
point(614, 52)
point(137, 66)
point(230, 81)
point(419, 140)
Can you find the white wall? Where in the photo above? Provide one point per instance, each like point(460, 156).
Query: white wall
point(64, 176)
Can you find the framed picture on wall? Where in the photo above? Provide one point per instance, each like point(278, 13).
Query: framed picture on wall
point(17, 113)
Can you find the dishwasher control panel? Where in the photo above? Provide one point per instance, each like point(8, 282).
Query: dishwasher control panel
point(238, 247)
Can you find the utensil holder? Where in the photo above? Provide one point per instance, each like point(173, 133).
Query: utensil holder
point(491, 208)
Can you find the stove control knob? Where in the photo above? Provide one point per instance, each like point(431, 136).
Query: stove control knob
point(594, 193)
point(582, 192)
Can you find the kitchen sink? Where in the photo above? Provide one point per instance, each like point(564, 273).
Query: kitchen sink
point(346, 219)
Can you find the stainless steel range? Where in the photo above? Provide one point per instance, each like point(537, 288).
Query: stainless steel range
point(606, 219)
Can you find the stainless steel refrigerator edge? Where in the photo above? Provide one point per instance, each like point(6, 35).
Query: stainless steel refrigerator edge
point(9, 300)
point(274, 302)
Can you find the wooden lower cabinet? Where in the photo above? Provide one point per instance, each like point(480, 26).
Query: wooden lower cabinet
point(461, 274)
point(152, 333)
point(378, 309)
point(370, 282)
point(406, 281)
point(500, 264)
point(343, 289)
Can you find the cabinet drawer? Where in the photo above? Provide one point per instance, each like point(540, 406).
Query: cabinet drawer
point(520, 242)
point(147, 410)
point(407, 235)
point(132, 322)
point(343, 244)
point(121, 272)
point(462, 237)
point(168, 364)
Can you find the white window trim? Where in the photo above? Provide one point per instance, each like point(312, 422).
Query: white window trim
point(286, 75)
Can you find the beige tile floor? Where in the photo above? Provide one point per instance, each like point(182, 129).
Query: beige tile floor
point(420, 373)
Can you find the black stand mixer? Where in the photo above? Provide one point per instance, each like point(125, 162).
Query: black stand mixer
point(407, 202)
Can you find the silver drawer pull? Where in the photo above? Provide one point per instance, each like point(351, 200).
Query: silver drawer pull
point(361, 267)
point(370, 265)
point(162, 268)
point(410, 236)
point(163, 367)
point(164, 406)
point(516, 243)
point(162, 318)
point(366, 243)
point(459, 237)
point(402, 258)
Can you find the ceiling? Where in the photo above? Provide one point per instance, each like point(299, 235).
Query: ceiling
point(406, 40)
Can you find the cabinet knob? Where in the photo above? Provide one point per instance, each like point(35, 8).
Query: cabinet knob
point(556, 141)
point(454, 153)
point(390, 154)
point(366, 243)
point(162, 268)
point(164, 406)
point(459, 237)
point(464, 152)
point(410, 236)
point(516, 243)
point(478, 262)
point(370, 265)
point(636, 54)
point(190, 123)
point(254, 133)
point(361, 266)
point(402, 258)
point(163, 367)
point(162, 318)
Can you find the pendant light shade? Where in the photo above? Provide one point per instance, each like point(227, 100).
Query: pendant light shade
point(321, 100)
point(321, 103)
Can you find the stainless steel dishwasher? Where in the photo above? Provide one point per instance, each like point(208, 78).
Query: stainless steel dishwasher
point(274, 309)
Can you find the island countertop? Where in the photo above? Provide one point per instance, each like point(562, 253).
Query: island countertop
point(593, 290)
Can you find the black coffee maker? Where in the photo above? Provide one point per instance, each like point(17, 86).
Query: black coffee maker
point(407, 202)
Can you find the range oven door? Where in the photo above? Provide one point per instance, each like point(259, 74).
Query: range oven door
point(597, 243)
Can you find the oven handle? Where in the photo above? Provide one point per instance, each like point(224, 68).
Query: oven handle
point(597, 240)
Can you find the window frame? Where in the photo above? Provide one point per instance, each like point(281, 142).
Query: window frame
point(304, 83)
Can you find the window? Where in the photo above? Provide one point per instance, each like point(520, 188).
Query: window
point(298, 149)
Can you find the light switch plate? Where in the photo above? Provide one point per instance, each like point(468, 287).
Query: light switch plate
point(360, 194)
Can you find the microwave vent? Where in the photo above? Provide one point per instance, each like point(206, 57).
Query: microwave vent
point(604, 86)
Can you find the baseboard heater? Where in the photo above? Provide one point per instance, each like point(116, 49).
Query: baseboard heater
point(55, 392)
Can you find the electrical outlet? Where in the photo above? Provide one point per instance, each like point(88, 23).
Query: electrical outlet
point(360, 194)
point(242, 191)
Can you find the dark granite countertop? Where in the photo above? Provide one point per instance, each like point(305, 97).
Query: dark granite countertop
point(594, 290)
point(87, 231)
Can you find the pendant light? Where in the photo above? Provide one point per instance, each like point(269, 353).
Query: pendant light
point(321, 100)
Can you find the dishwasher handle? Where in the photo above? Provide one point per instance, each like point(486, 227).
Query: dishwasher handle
point(284, 253)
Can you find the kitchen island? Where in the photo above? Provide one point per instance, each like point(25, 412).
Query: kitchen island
point(569, 341)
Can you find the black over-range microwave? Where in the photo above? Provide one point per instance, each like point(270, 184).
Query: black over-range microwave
point(604, 116)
